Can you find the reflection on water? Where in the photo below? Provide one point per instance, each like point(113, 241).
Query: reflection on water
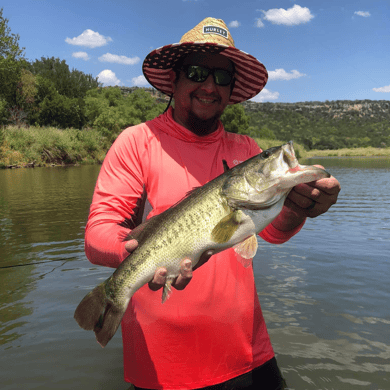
point(325, 294)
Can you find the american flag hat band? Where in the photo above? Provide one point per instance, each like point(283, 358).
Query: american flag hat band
point(209, 36)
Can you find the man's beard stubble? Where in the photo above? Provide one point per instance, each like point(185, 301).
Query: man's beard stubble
point(202, 127)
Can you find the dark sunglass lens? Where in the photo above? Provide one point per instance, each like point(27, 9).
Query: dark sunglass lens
point(222, 77)
point(197, 73)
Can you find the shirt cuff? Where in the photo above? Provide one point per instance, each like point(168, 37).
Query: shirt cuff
point(275, 236)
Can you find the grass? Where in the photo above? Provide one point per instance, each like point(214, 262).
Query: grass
point(356, 152)
point(47, 146)
point(345, 152)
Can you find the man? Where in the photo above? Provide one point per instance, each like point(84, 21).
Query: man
point(212, 333)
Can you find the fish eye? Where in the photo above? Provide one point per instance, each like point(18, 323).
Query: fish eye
point(265, 154)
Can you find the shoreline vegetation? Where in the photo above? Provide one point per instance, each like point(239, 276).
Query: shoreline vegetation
point(33, 146)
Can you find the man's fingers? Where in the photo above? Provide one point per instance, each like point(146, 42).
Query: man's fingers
point(330, 185)
point(185, 275)
point(158, 280)
point(160, 277)
point(314, 198)
point(305, 195)
point(131, 245)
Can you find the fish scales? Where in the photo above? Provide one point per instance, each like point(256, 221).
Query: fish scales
point(229, 211)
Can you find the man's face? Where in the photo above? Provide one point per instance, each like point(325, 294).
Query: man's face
point(199, 105)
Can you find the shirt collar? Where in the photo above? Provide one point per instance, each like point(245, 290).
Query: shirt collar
point(168, 125)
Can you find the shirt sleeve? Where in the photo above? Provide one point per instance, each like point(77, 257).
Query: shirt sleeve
point(117, 195)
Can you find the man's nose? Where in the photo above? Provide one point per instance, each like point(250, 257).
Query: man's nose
point(209, 83)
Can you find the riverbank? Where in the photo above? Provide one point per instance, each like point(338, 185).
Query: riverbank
point(49, 146)
point(357, 152)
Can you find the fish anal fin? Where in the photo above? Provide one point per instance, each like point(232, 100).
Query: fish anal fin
point(247, 250)
point(167, 290)
point(226, 227)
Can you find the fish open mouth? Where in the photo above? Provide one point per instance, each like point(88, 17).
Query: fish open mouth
point(288, 155)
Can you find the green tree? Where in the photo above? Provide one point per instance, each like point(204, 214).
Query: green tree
point(9, 43)
point(73, 84)
point(26, 90)
point(265, 133)
point(11, 61)
point(109, 111)
point(234, 119)
point(145, 106)
point(61, 111)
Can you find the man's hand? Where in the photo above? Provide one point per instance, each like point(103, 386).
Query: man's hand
point(185, 274)
point(315, 198)
point(307, 200)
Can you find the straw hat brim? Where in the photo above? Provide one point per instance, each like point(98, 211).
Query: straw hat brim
point(250, 74)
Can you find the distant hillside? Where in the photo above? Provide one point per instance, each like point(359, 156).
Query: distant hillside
point(316, 125)
point(323, 125)
point(376, 110)
point(160, 97)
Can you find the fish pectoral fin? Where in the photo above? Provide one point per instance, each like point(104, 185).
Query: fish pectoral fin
point(247, 250)
point(167, 290)
point(226, 227)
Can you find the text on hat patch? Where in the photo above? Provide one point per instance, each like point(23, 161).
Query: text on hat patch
point(215, 30)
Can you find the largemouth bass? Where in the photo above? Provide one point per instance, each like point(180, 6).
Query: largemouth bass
point(228, 211)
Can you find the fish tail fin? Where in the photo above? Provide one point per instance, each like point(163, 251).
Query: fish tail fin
point(95, 312)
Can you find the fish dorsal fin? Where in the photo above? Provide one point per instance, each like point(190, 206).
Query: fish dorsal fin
point(226, 227)
point(246, 250)
point(225, 166)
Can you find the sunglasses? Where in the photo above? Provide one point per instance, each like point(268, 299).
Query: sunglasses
point(199, 74)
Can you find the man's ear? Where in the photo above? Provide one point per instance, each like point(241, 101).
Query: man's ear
point(172, 78)
point(232, 85)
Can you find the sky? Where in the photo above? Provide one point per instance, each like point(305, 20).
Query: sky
point(313, 50)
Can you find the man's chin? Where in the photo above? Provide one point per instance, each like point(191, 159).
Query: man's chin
point(202, 126)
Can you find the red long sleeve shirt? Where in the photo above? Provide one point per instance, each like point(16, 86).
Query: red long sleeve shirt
point(214, 329)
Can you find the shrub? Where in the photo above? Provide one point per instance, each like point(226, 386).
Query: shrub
point(61, 111)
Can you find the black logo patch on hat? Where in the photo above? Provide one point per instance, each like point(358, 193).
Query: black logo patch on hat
point(215, 30)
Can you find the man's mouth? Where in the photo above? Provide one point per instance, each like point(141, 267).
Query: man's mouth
point(206, 100)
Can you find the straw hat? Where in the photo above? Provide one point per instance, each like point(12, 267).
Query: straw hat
point(209, 36)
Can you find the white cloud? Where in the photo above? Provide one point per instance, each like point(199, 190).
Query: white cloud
point(382, 89)
point(290, 17)
point(265, 95)
point(140, 81)
point(234, 24)
point(365, 14)
point(281, 74)
point(108, 77)
point(81, 54)
point(108, 57)
point(90, 39)
point(259, 23)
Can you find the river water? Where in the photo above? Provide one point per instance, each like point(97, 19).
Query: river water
point(325, 294)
